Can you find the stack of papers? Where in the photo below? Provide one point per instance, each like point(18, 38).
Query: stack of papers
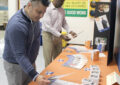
point(79, 48)
point(62, 82)
point(113, 78)
point(94, 76)
point(102, 55)
point(87, 82)
point(77, 61)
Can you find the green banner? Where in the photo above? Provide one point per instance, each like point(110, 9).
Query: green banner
point(76, 8)
point(76, 12)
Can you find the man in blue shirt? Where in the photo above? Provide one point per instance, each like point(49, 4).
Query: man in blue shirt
point(22, 44)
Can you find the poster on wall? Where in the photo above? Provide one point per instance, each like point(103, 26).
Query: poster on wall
point(3, 13)
point(102, 25)
point(76, 8)
point(4, 5)
point(73, 8)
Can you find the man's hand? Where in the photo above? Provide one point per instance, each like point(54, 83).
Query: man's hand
point(42, 80)
point(73, 34)
point(65, 37)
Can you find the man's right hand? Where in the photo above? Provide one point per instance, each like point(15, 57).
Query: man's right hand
point(41, 80)
point(65, 37)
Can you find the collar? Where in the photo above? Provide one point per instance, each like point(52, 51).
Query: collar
point(26, 14)
point(52, 6)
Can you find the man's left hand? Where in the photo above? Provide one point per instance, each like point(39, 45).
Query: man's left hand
point(73, 34)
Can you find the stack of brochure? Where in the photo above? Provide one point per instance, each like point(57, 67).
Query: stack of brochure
point(62, 82)
point(94, 76)
point(113, 79)
point(77, 61)
point(79, 48)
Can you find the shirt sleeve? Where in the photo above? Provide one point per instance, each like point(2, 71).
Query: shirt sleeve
point(46, 21)
point(65, 24)
point(17, 39)
point(35, 77)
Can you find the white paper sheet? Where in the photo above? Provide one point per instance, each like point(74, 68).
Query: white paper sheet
point(62, 82)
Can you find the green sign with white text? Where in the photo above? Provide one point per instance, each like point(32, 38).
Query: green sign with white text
point(76, 12)
point(76, 8)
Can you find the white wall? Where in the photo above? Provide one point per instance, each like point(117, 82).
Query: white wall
point(3, 2)
point(12, 7)
point(83, 25)
point(3, 13)
point(105, 0)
